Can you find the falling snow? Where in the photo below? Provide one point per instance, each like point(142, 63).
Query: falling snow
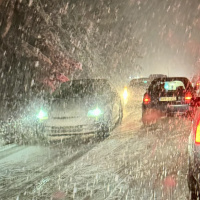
point(45, 44)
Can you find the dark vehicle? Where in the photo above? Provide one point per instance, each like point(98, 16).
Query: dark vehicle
point(167, 96)
point(195, 79)
point(139, 82)
point(154, 76)
point(82, 106)
point(196, 84)
point(194, 158)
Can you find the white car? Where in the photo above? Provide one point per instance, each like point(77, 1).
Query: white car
point(80, 107)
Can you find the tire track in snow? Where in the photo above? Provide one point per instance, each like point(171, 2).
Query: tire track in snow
point(81, 165)
point(14, 191)
point(107, 151)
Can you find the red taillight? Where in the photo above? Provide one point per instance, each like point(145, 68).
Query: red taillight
point(188, 97)
point(146, 99)
point(197, 135)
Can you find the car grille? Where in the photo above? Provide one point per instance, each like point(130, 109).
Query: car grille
point(71, 117)
point(67, 129)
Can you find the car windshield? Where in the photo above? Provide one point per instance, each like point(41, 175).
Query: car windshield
point(99, 99)
point(81, 88)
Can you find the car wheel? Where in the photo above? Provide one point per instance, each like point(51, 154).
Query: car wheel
point(40, 137)
point(106, 126)
point(192, 184)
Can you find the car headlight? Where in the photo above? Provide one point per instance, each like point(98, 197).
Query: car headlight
point(125, 93)
point(94, 113)
point(42, 115)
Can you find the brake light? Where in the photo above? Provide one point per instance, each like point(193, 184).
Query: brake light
point(146, 99)
point(197, 135)
point(188, 97)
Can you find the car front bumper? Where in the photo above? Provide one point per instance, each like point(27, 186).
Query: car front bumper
point(52, 131)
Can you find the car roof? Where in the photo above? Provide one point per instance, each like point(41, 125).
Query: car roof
point(170, 79)
point(83, 82)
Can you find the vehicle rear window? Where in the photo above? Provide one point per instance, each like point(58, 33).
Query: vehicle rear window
point(173, 85)
point(170, 85)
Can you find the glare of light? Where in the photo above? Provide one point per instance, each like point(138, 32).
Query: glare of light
point(94, 113)
point(42, 115)
point(188, 98)
point(145, 81)
point(125, 94)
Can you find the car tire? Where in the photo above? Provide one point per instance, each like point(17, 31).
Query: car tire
point(106, 126)
point(40, 136)
point(192, 185)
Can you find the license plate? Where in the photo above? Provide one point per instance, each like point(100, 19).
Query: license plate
point(167, 99)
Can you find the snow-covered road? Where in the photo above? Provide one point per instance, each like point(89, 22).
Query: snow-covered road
point(133, 163)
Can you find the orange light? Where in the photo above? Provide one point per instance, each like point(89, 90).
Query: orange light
point(188, 97)
point(197, 135)
point(146, 99)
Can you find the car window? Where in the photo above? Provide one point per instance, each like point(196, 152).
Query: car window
point(173, 85)
point(82, 88)
point(165, 85)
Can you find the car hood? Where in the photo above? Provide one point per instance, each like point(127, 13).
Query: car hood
point(75, 107)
